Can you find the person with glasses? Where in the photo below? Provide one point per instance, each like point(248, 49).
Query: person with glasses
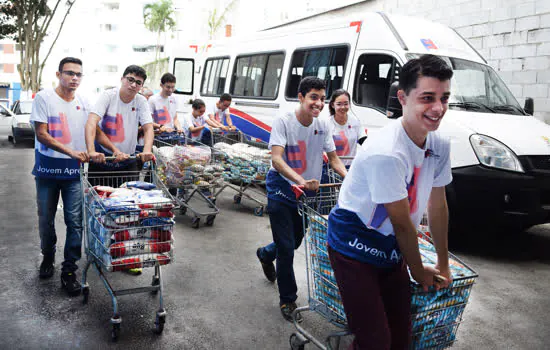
point(345, 128)
point(59, 116)
point(116, 117)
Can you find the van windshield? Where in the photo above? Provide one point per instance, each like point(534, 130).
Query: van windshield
point(478, 88)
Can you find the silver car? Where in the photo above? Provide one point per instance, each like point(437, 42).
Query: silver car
point(21, 128)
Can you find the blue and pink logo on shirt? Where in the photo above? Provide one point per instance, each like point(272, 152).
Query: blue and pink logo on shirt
point(162, 116)
point(58, 128)
point(296, 157)
point(342, 144)
point(113, 127)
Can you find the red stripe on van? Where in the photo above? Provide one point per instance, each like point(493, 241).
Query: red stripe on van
point(250, 119)
point(358, 24)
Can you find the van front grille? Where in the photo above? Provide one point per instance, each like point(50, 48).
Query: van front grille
point(538, 162)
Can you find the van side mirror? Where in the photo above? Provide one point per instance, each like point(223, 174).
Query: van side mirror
point(393, 109)
point(529, 107)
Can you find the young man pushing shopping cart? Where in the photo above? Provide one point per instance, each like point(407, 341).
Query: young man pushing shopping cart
point(297, 142)
point(399, 172)
point(59, 116)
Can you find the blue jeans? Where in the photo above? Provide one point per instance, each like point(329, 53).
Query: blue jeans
point(287, 230)
point(205, 137)
point(47, 197)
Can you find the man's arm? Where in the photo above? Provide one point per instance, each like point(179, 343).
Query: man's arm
point(47, 140)
point(438, 220)
point(336, 164)
point(213, 123)
point(177, 123)
point(284, 169)
point(229, 121)
point(90, 136)
point(406, 235)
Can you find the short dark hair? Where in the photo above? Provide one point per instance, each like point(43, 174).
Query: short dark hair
point(135, 70)
point(167, 78)
point(198, 103)
point(309, 83)
point(335, 95)
point(226, 97)
point(424, 66)
point(69, 60)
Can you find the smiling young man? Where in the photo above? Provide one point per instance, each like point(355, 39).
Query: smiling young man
point(59, 116)
point(298, 140)
point(399, 172)
point(219, 113)
point(164, 106)
point(114, 121)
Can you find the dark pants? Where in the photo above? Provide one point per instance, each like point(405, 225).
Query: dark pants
point(377, 303)
point(287, 230)
point(47, 198)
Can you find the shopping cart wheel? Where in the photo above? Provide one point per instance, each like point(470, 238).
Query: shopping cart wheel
point(159, 323)
point(259, 211)
point(210, 220)
point(237, 199)
point(296, 343)
point(183, 210)
point(196, 222)
point(85, 294)
point(115, 332)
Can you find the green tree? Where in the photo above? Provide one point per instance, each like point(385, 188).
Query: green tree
point(28, 23)
point(158, 18)
point(215, 21)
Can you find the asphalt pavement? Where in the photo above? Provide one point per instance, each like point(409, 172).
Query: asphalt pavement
point(215, 294)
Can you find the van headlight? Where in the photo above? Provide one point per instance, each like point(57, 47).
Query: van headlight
point(494, 154)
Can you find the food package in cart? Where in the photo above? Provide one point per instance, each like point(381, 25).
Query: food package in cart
point(139, 261)
point(139, 246)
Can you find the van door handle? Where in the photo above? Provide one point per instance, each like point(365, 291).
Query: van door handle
point(257, 104)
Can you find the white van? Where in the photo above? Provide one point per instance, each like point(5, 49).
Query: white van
point(500, 154)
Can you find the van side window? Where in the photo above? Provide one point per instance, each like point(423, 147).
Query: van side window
point(373, 77)
point(214, 76)
point(324, 63)
point(257, 75)
point(184, 70)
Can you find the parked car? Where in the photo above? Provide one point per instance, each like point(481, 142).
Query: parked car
point(21, 128)
point(6, 117)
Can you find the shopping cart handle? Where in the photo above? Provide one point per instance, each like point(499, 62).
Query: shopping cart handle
point(298, 190)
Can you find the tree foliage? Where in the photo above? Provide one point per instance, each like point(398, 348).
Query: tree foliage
point(215, 21)
point(28, 23)
point(158, 18)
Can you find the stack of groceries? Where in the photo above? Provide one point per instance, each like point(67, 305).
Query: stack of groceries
point(131, 226)
point(244, 162)
point(188, 165)
point(435, 314)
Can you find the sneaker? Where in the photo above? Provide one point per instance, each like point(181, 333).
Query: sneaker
point(137, 271)
point(269, 268)
point(46, 267)
point(70, 284)
point(287, 310)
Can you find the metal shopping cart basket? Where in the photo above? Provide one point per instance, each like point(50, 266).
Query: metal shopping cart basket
point(191, 172)
point(247, 161)
point(436, 315)
point(123, 234)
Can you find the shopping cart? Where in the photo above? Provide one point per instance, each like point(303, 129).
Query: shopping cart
point(436, 315)
point(190, 172)
point(247, 161)
point(121, 235)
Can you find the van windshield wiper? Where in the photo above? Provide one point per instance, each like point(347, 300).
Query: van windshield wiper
point(471, 105)
point(509, 108)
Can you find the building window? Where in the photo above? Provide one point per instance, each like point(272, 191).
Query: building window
point(9, 68)
point(373, 76)
point(108, 68)
point(112, 6)
point(257, 75)
point(111, 48)
point(325, 63)
point(214, 76)
point(147, 48)
point(7, 48)
point(107, 27)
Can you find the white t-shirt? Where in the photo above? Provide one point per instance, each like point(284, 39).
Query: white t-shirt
point(218, 114)
point(163, 109)
point(119, 120)
point(304, 145)
point(389, 167)
point(198, 121)
point(345, 136)
point(66, 123)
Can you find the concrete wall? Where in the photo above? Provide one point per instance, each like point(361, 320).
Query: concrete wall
point(513, 35)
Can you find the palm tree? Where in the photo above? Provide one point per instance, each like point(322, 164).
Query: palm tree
point(215, 22)
point(157, 18)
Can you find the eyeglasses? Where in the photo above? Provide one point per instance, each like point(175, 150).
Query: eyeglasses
point(132, 80)
point(72, 74)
